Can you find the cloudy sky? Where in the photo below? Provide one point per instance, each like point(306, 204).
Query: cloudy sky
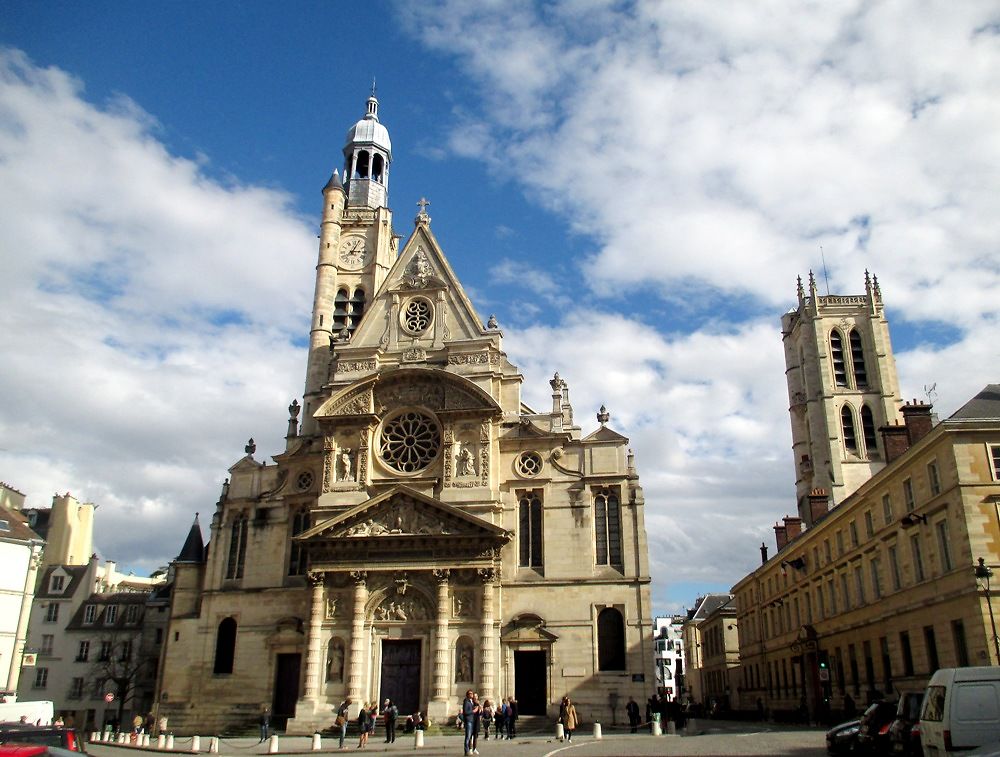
point(631, 187)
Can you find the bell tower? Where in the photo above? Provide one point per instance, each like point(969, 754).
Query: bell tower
point(357, 246)
point(842, 388)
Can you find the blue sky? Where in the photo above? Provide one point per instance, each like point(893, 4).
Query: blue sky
point(631, 187)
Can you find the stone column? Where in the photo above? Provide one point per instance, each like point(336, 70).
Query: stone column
point(440, 690)
point(314, 646)
point(355, 682)
point(488, 576)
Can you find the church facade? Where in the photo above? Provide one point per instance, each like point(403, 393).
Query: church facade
point(424, 531)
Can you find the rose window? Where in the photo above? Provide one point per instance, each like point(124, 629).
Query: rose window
point(529, 464)
point(410, 441)
point(417, 316)
point(304, 481)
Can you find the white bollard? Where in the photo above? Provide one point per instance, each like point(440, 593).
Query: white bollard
point(95, 736)
point(671, 728)
point(657, 730)
point(272, 747)
point(145, 739)
point(317, 742)
point(418, 739)
point(691, 727)
point(122, 738)
point(597, 731)
point(213, 745)
point(196, 743)
point(161, 741)
point(170, 742)
point(560, 733)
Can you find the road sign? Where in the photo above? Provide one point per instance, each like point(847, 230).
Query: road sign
point(28, 659)
point(109, 697)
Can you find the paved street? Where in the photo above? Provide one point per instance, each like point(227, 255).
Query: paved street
point(714, 738)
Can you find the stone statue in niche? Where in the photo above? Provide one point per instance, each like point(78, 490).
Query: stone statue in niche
point(335, 661)
point(464, 463)
point(345, 465)
point(463, 662)
point(462, 606)
point(331, 607)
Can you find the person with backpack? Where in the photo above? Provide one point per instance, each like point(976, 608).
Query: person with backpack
point(390, 712)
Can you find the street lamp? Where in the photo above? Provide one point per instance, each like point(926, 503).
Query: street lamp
point(983, 573)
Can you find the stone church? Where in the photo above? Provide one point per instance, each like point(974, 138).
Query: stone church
point(424, 531)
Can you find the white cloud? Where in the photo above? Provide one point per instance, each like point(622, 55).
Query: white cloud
point(148, 314)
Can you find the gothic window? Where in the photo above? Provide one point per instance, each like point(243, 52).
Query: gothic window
point(858, 359)
point(607, 528)
point(297, 553)
point(837, 357)
point(847, 425)
point(868, 430)
point(529, 464)
point(357, 308)
point(417, 315)
point(340, 306)
point(237, 546)
point(225, 646)
point(530, 530)
point(410, 441)
point(610, 640)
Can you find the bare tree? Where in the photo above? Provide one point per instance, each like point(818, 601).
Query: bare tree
point(119, 669)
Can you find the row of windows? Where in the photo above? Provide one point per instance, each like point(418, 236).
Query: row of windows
point(607, 529)
point(915, 654)
point(90, 614)
point(366, 166)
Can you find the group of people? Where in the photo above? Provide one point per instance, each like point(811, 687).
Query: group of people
point(367, 717)
point(476, 717)
point(658, 709)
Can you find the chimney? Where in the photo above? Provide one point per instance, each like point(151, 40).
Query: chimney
point(917, 417)
point(895, 441)
point(793, 526)
point(763, 553)
point(818, 504)
point(780, 537)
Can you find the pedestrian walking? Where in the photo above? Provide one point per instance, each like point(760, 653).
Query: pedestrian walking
point(568, 718)
point(487, 718)
point(364, 725)
point(389, 713)
point(264, 721)
point(632, 710)
point(340, 722)
point(468, 717)
point(512, 718)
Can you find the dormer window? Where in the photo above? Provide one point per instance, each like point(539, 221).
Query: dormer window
point(56, 583)
point(132, 614)
point(89, 614)
point(110, 615)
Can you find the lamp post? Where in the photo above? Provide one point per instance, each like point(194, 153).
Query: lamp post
point(983, 573)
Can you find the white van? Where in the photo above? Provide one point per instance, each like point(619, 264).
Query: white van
point(961, 710)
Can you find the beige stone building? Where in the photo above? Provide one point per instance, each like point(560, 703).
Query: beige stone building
point(881, 589)
point(424, 531)
point(711, 648)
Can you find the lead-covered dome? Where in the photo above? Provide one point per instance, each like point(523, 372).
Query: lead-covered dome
point(368, 131)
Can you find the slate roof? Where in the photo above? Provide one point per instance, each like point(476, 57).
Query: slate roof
point(984, 405)
point(193, 550)
point(76, 574)
point(709, 604)
point(17, 526)
point(122, 600)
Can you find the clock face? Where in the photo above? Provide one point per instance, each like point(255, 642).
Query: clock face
point(353, 252)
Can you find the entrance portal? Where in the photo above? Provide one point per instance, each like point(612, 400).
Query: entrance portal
point(286, 689)
point(401, 675)
point(530, 682)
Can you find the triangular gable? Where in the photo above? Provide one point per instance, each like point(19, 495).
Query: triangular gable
point(422, 268)
point(404, 512)
point(605, 434)
point(528, 635)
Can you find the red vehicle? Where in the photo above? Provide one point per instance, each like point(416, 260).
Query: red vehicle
point(21, 734)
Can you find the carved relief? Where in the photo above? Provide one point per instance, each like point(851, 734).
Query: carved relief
point(418, 271)
point(363, 216)
point(331, 607)
point(329, 448)
point(396, 608)
point(475, 358)
point(362, 470)
point(400, 518)
point(465, 464)
point(359, 403)
point(345, 464)
point(426, 393)
point(449, 441)
point(463, 605)
point(484, 453)
point(414, 355)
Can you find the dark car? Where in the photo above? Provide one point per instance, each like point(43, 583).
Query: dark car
point(45, 735)
point(33, 750)
point(873, 735)
point(842, 738)
point(904, 732)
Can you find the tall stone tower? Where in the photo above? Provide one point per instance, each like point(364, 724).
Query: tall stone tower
point(357, 246)
point(842, 387)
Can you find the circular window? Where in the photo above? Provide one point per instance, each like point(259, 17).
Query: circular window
point(304, 481)
point(417, 315)
point(529, 464)
point(410, 441)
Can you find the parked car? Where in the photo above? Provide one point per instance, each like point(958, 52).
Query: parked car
point(961, 710)
point(873, 734)
point(44, 735)
point(842, 738)
point(904, 732)
point(33, 750)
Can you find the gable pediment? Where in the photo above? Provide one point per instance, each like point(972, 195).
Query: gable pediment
point(605, 434)
point(533, 634)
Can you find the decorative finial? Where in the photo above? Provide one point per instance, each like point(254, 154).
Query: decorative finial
point(422, 217)
point(868, 279)
point(373, 86)
point(556, 382)
point(798, 288)
point(492, 322)
point(603, 417)
point(293, 409)
point(876, 288)
point(251, 447)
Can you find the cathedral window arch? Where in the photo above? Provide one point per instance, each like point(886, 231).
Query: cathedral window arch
point(237, 546)
point(529, 529)
point(610, 640)
point(225, 646)
point(341, 304)
point(297, 559)
point(357, 308)
point(858, 359)
point(607, 529)
point(868, 432)
point(837, 358)
point(848, 429)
